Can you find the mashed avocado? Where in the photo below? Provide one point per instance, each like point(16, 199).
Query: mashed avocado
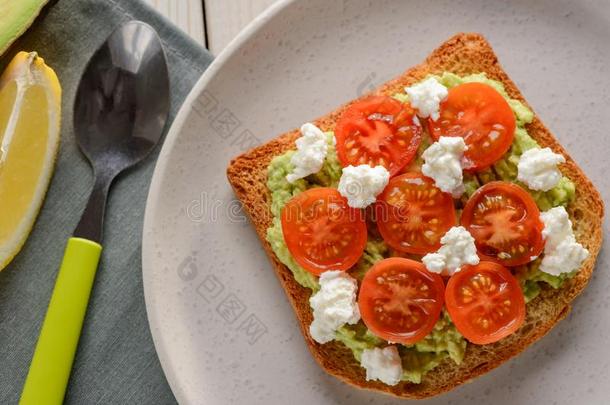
point(444, 341)
point(276, 239)
point(374, 251)
point(530, 277)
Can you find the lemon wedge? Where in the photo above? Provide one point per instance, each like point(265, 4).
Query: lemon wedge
point(30, 109)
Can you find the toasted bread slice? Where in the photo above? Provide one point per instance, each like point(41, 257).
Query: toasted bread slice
point(463, 54)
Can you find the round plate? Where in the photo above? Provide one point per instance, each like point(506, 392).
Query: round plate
point(221, 324)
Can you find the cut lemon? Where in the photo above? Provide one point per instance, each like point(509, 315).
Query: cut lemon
point(30, 109)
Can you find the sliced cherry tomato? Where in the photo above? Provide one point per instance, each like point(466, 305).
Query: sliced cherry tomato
point(322, 232)
point(379, 130)
point(400, 301)
point(505, 223)
point(413, 215)
point(485, 302)
point(480, 115)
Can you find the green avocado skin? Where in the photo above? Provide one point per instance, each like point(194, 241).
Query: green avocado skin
point(444, 341)
point(16, 16)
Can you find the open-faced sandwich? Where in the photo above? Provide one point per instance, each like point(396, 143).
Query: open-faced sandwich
point(427, 232)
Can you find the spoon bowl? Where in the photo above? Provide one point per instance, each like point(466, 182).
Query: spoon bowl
point(122, 102)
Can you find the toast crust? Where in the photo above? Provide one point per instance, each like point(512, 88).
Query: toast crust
point(463, 54)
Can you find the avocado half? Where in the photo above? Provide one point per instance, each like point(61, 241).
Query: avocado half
point(16, 16)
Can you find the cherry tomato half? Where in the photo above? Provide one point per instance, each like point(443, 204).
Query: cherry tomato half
point(505, 223)
point(378, 130)
point(322, 232)
point(485, 302)
point(480, 115)
point(400, 301)
point(413, 215)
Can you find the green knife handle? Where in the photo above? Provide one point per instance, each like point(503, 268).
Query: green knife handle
point(52, 362)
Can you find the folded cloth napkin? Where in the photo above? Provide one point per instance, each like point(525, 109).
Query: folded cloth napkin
point(116, 361)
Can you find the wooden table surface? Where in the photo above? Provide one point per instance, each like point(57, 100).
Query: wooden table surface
point(212, 23)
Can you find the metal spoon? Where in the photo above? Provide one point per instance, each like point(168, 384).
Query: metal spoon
point(121, 107)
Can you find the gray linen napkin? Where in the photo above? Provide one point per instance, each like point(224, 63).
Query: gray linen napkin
point(116, 362)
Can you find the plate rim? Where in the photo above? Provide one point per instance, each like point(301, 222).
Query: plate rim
point(158, 173)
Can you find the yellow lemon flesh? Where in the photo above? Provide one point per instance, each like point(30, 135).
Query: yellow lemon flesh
point(30, 109)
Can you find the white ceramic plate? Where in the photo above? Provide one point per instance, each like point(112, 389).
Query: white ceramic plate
point(222, 327)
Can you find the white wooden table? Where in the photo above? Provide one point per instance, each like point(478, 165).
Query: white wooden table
point(212, 23)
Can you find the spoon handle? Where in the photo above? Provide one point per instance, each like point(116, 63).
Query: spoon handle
point(52, 362)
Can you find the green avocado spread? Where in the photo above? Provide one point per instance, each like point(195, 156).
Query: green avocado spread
point(444, 342)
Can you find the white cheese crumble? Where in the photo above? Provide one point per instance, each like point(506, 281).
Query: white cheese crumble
point(562, 254)
point(384, 364)
point(311, 152)
point(538, 168)
point(426, 97)
point(334, 305)
point(361, 184)
point(457, 249)
point(443, 163)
